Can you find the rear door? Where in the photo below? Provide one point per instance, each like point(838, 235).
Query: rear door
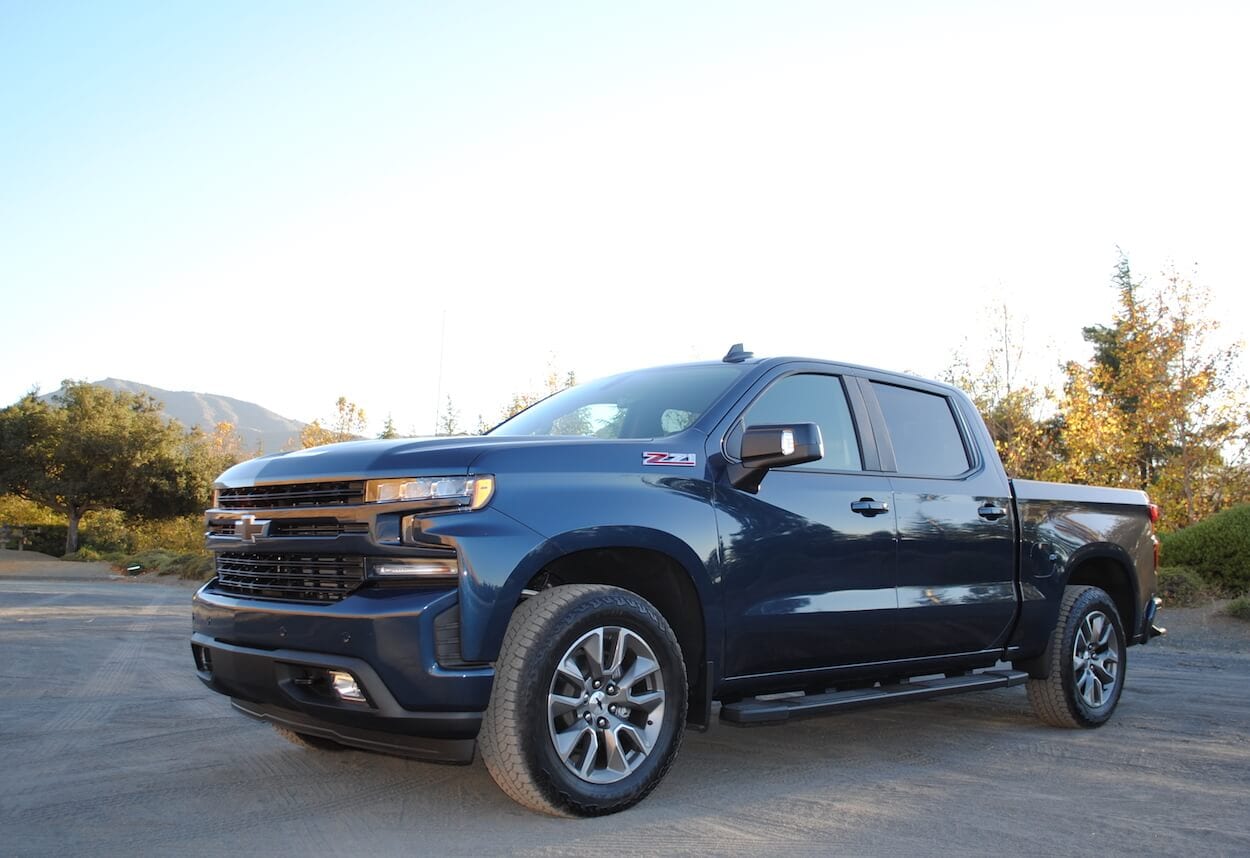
point(808, 580)
point(956, 549)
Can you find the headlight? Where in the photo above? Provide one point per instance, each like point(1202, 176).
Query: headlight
point(470, 492)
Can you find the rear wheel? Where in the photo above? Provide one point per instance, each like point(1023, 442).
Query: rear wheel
point(589, 702)
point(1087, 662)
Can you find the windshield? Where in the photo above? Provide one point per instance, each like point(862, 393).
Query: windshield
point(650, 403)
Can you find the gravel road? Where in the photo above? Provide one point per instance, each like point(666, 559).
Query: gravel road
point(110, 746)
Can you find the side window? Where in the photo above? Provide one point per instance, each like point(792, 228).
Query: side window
point(924, 432)
point(808, 398)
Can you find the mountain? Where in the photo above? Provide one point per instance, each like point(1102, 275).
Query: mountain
point(256, 425)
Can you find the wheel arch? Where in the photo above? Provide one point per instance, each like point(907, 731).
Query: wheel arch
point(655, 565)
point(1105, 566)
point(1110, 568)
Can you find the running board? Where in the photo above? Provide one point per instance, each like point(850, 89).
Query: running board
point(757, 711)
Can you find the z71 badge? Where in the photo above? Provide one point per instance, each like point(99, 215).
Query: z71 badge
point(676, 460)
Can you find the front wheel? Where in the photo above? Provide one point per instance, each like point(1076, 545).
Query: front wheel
point(1087, 662)
point(589, 702)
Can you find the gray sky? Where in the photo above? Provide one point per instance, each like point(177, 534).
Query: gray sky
point(282, 202)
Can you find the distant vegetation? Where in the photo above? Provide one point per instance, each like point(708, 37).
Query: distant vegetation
point(89, 449)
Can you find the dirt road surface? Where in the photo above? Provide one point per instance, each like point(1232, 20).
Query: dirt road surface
point(109, 745)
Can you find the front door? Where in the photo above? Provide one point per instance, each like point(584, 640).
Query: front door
point(808, 561)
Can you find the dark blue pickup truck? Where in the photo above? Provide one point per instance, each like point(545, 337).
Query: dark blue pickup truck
point(783, 537)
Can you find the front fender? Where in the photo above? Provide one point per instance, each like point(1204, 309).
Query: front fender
point(484, 615)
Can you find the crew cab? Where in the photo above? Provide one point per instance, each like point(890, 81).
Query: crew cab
point(757, 540)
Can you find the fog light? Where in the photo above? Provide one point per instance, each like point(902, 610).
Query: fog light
point(345, 687)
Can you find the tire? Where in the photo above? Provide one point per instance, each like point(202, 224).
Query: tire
point(535, 739)
point(307, 740)
point(1087, 657)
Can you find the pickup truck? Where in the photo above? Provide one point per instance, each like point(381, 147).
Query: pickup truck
point(765, 539)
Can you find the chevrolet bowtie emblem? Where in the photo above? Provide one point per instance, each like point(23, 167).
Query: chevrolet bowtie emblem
point(249, 527)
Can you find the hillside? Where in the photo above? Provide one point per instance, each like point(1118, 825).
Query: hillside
point(255, 424)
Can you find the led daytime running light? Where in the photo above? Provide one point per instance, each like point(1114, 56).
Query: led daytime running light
point(473, 492)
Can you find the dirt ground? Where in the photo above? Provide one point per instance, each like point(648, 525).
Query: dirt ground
point(111, 746)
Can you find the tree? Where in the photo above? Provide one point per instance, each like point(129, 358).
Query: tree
point(448, 420)
point(1158, 407)
point(389, 431)
point(555, 381)
point(91, 448)
point(1019, 416)
point(347, 424)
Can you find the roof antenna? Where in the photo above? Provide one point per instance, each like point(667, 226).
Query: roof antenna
point(737, 354)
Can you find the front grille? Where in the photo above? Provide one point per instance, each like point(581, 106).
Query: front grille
point(326, 527)
point(295, 527)
point(339, 493)
point(316, 578)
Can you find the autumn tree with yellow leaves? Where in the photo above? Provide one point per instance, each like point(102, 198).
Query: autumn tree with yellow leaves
point(1159, 407)
point(347, 424)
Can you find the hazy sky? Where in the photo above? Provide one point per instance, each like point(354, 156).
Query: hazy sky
point(283, 202)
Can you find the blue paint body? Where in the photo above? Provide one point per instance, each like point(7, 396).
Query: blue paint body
point(784, 588)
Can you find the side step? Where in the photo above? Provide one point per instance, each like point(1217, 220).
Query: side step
point(757, 711)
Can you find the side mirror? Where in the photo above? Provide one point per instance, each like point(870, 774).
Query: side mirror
point(774, 446)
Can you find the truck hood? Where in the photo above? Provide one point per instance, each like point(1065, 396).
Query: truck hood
point(380, 459)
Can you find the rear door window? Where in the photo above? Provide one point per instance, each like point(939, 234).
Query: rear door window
point(926, 438)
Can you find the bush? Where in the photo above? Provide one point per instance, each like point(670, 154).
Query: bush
point(191, 566)
point(1239, 607)
point(1218, 548)
point(46, 538)
point(106, 531)
point(1182, 587)
point(90, 555)
point(184, 534)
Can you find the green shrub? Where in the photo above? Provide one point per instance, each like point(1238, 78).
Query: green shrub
point(1239, 607)
point(184, 534)
point(196, 566)
point(90, 555)
point(1218, 548)
point(1182, 587)
point(107, 531)
point(44, 538)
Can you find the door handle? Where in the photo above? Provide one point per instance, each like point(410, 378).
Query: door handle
point(991, 512)
point(869, 507)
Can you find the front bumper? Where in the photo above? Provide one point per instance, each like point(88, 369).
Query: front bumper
point(384, 638)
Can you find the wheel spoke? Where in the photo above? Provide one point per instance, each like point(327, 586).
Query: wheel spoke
point(567, 741)
point(592, 755)
point(613, 666)
point(592, 645)
point(1083, 682)
point(568, 668)
point(558, 704)
point(615, 753)
point(646, 701)
point(640, 669)
point(638, 739)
